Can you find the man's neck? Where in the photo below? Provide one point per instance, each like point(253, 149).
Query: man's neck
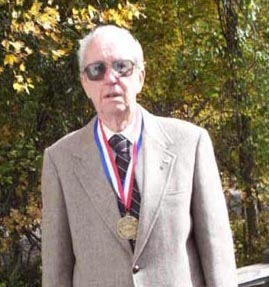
point(117, 123)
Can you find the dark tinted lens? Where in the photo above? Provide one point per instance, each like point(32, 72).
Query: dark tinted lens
point(123, 67)
point(95, 71)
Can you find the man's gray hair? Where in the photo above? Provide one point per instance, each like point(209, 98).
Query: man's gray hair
point(110, 29)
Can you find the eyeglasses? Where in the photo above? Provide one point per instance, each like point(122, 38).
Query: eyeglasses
point(96, 71)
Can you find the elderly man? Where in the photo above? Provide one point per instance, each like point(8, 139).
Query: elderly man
point(131, 199)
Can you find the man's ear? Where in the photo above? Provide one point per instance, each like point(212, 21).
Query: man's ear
point(141, 80)
point(82, 79)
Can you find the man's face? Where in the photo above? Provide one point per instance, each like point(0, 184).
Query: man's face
point(113, 95)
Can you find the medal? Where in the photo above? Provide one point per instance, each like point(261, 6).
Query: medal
point(127, 227)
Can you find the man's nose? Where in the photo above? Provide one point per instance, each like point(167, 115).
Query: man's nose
point(111, 76)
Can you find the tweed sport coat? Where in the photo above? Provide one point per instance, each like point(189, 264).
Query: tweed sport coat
point(184, 237)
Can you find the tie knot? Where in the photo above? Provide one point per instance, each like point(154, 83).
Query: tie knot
point(119, 143)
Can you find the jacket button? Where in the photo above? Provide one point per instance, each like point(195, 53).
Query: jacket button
point(136, 269)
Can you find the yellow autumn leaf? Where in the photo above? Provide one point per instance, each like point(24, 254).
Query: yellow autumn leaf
point(1, 70)
point(21, 86)
point(75, 11)
point(19, 78)
point(22, 67)
point(35, 8)
point(10, 60)
point(43, 52)
point(18, 45)
point(91, 8)
point(5, 44)
point(15, 26)
point(19, 2)
point(70, 21)
point(69, 46)
point(28, 50)
point(44, 21)
point(91, 11)
point(27, 86)
point(53, 13)
point(56, 54)
point(83, 12)
point(18, 87)
point(30, 27)
point(55, 37)
point(15, 14)
point(78, 27)
point(29, 81)
point(49, 19)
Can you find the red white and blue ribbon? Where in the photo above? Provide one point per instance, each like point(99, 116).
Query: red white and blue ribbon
point(109, 165)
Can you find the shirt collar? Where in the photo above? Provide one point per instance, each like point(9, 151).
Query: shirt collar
point(131, 132)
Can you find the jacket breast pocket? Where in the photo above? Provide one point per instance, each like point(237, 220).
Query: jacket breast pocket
point(178, 189)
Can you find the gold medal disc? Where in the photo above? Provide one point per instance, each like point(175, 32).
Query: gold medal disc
point(127, 227)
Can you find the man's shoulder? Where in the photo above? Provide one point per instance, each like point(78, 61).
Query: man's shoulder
point(181, 130)
point(175, 126)
point(73, 140)
point(172, 128)
point(170, 122)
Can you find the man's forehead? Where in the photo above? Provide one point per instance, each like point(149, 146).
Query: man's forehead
point(114, 39)
point(112, 44)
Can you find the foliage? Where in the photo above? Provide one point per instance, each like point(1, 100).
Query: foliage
point(182, 49)
point(240, 93)
point(194, 71)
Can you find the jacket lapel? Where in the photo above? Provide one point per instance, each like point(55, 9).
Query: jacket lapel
point(89, 171)
point(153, 172)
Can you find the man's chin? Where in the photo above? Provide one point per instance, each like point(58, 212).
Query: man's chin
point(118, 108)
point(115, 110)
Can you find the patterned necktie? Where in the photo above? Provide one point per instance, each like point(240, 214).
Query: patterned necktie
point(121, 147)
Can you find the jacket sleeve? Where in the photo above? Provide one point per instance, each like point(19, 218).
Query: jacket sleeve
point(57, 254)
point(210, 218)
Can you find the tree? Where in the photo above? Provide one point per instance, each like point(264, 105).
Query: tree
point(206, 61)
point(241, 29)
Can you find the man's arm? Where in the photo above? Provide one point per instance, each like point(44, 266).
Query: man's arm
point(57, 255)
point(210, 217)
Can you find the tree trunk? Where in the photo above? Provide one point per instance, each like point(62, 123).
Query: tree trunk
point(242, 122)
